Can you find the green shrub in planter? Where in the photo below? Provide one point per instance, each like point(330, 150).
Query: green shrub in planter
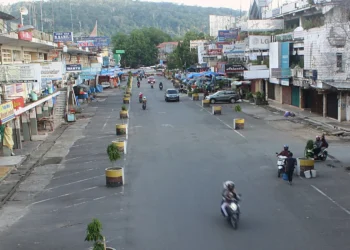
point(196, 91)
point(124, 108)
point(189, 94)
point(238, 108)
point(93, 233)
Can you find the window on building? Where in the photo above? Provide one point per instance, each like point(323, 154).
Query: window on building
point(340, 61)
point(27, 57)
point(6, 55)
point(17, 56)
point(41, 56)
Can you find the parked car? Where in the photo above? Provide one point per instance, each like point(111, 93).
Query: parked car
point(172, 95)
point(151, 80)
point(223, 96)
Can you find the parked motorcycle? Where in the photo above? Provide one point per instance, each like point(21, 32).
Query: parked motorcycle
point(233, 211)
point(280, 165)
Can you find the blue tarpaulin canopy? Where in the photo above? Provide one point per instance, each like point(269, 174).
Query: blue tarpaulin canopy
point(121, 73)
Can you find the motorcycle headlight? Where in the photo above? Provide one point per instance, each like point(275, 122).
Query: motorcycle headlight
point(233, 206)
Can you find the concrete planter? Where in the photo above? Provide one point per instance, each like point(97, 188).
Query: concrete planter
point(189, 94)
point(121, 129)
point(126, 100)
point(195, 97)
point(123, 114)
point(305, 164)
point(238, 124)
point(126, 95)
point(114, 178)
point(128, 91)
point(205, 103)
point(121, 145)
point(216, 110)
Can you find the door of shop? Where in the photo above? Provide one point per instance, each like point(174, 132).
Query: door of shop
point(332, 105)
point(295, 96)
point(307, 98)
point(271, 91)
point(317, 102)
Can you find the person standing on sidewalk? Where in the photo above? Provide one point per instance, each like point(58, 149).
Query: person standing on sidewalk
point(291, 162)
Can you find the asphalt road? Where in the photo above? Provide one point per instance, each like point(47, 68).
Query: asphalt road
point(178, 156)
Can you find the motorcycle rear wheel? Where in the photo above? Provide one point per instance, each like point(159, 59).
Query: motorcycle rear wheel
point(234, 222)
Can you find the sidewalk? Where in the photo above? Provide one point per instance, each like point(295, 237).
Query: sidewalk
point(15, 169)
point(333, 125)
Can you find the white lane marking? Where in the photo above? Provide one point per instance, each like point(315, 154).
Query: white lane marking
point(137, 127)
point(79, 145)
point(230, 127)
point(105, 123)
point(99, 198)
point(333, 201)
point(74, 182)
point(76, 204)
point(87, 170)
point(167, 125)
point(71, 159)
point(60, 196)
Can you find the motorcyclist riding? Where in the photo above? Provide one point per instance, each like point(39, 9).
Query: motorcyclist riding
point(229, 195)
point(138, 83)
point(324, 142)
point(317, 146)
point(285, 152)
point(160, 84)
point(144, 99)
point(140, 95)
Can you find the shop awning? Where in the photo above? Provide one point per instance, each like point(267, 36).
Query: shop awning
point(340, 85)
point(238, 83)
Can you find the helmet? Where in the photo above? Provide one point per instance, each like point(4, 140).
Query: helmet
point(144, 98)
point(286, 147)
point(318, 137)
point(230, 185)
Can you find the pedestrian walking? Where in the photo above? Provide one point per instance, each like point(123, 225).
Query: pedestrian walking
point(291, 162)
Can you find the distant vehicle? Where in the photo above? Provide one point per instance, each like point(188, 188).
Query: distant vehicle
point(172, 95)
point(223, 96)
point(151, 79)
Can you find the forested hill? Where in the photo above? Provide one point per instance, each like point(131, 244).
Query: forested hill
point(120, 16)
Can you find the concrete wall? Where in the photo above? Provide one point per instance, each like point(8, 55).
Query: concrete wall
point(278, 93)
point(342, 106)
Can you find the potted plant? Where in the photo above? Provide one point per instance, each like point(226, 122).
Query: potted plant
point(93, 234)
point(195, 94)
point(309, 149)
point(123, 112)
point(250, 97)
point(115, 174)
point(259, 98)
point(238, 108)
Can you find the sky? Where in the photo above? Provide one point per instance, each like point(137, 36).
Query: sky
point(233, 4)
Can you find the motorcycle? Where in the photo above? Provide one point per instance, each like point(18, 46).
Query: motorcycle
point(233, 211)
point(140, 98)
point(152, 86)
point(144, 105)
point(280, 165)
point(138, 85)
point(321, 156)
point(161, 87)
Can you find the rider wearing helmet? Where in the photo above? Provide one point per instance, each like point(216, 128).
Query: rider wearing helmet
point(285, 152)
point(160, 84)
point(229, 195)
point(144, 99)
point(317, 145)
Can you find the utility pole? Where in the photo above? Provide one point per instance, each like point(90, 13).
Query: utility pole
point(71, 15)
point(41, 16)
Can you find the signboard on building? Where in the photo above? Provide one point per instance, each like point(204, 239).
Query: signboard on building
point(25, 35)
point(73, 67)
point(51, 70)
point(98, 41)
point(256, 74)
point(259, 42)
point(220, 45)
point(280, 73)
point(234, 68)
point(120, 51)
point(227, 35)
point(7, 112)
point(239, 48)
point(19, 73)
point(227, 47)
point(284, 37)
point(63, 37)
point(18, 103)
point(285, 62)
point(214, 51)
point(265, 25)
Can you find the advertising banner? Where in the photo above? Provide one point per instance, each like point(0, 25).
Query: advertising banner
point(265, 25)
point(234, 68)
point(18, 103)
point(224, 35)
point(73, 67)
point(214, 51)
point(237, 49)
point(63, 37)
point(285, 63)
point(25, 35)
point(19, 73)
point(51, 70)
point(98, 41)
point(7, 112)
point(259, 42)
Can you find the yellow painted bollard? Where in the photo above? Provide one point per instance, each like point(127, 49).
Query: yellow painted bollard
point(195, 97)
point(114, 177)
point(238, 124)
point(205, 103)
point(216, 110)
point(121, 145)
point(123, 114)
point(126, 100)
point(121, 129)
point(126, 95)
point(128, 91)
